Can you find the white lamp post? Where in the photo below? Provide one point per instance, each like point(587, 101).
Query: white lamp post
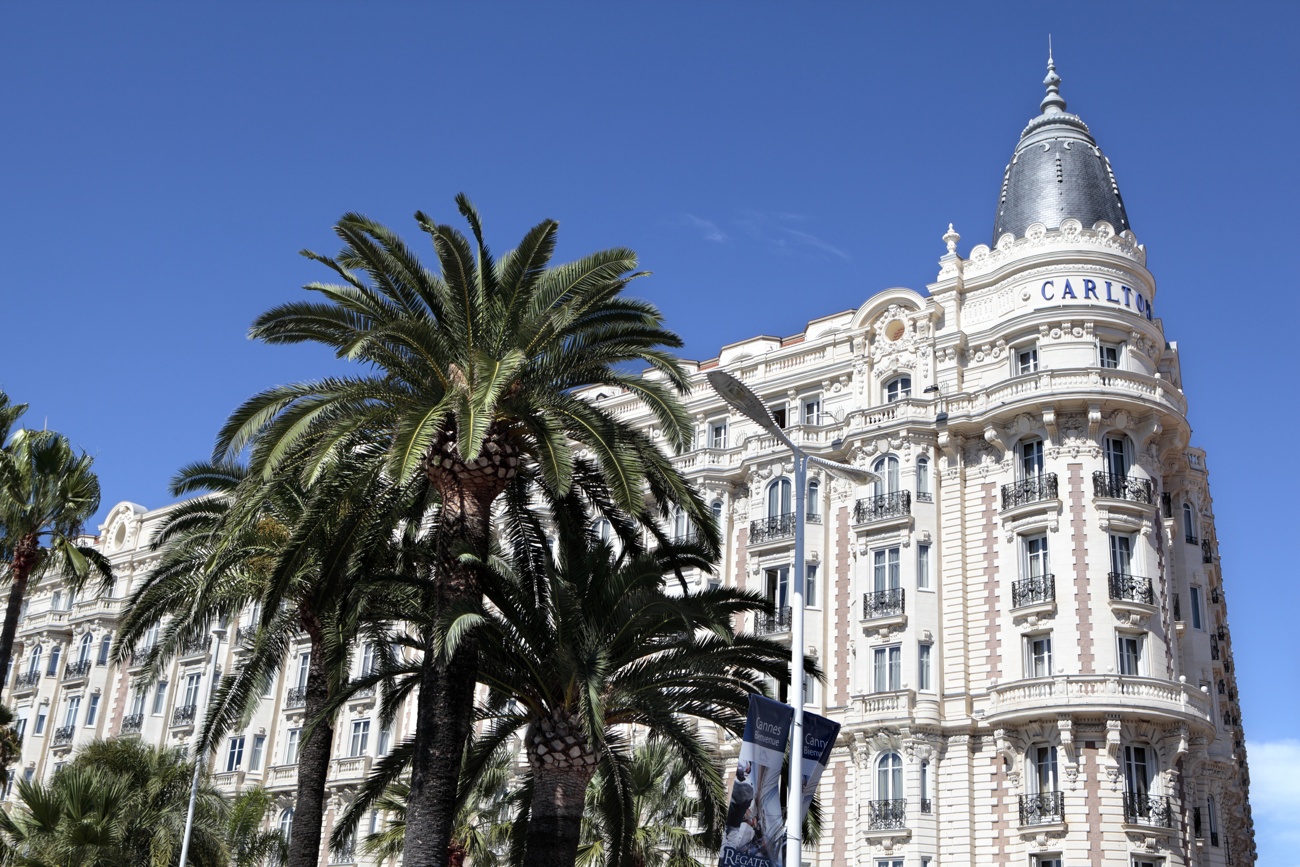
point(739, 396)
point(218, 634)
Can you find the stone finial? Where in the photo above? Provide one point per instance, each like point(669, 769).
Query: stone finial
point(951, 238)
point(1053, 103)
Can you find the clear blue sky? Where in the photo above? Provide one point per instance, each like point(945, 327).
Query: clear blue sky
point(163, 163)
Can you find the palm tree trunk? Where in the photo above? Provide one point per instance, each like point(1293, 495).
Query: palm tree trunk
point(313, 762)
point(25, 554)
point(555, 817)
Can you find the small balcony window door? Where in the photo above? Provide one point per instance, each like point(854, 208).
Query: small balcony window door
point(1212, 814)
point(1139, 770)
point(255, 755)
point(20, 727)
point(1045, 861)
point(812, 411)
point(34, 661)
point(810, 585)
point(92, 710)
point(777, 587)
point(1189, 524)
point(1198, 620)
point(1108, 355)
point(138, 698)
point(235, 754)
point(886, 573)
point(889, 777)
point(73, 711)
point(887, 470)
point(1121, 554)
point(151, 637)
point(716, 508)
point(1035, 556)
point(86, 649)
point(923, 653)
point(1026, 360)
point(160, 698)
point(368, 659)
point(887, 668)
point(681, 526)
point(105, 647)
point(1042, 771)
point(809, 689)
point(813, 500)
point(718, 434)
point(924, 493)
point(778, 414)
point(779, 498)
point(191, 697)
point(40, 721)
point(898, 388)
point(360, 737)
point(1132, 652)
point(1031, 458)
point(286, 824)
point(304, 667)
point(1118, 453)
point(1038, 655)
point(385, 740)
point(922, 566)
point(56, 601)
point(53, 668)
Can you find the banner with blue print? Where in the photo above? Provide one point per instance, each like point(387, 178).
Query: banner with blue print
point(819, 736)
point(753, 834)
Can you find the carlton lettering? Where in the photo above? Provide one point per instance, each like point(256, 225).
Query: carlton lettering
point(1086, 289)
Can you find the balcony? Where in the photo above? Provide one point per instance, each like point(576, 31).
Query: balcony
point(96, 607)
point(228, 781)
point(1207, 551)
point(772, 624)
point(282, 776)
point(27, 680)
point(196, 646)
point(1131, 588)
point(54, 619)
point(1153, 810)
point(886, 815)
point(883, 707)
point(771, 529)
point(77, 670)
point(1035, 590)
point(1034, 489)
point(297, 697)
point(353, 769)
point(1097, 694)
point(63, 736)
point(1129, 488)
point(132, 724)
point(184, 715)
point(883, 507)
point(1042, 808)
point(882, 603)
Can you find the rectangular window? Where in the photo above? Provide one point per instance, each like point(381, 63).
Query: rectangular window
point(1038, 655)
point(105, 645)
point(886, 574)
point(160, 698)
point(1137, 771)
point(138, 697)
point(1197, 622)
point(235, 754)
point(21, 727)
point(1121, 554)
point(1043, 778)
point(360, 737)
point(1035, 553)
point(778, 415)
point(255, 757)
point(53, 668)
point(1108, 355)
point(810, 586)
point(1027, 360)
point(922, 567)
point(809, 689)
point(778, 587)
point(812, 411)
point(40, 722)
point(923, 666)
point(1130, 653)
point(718, 435)
point(367, 659)
point(191, 690)
point(887, 668)
point(385, 740)
point(1046, 861)
point(1031, 458)
point(291, 746)
point(92, 710)
point(74, 710)
point(304, 665)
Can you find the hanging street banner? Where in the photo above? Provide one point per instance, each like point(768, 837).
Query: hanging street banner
point(754, 831)
point(819, 736)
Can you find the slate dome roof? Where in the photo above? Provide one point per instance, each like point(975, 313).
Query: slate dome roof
point(1057, 172)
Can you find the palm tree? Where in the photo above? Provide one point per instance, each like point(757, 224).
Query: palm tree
point(593, 645)
point(251, 845)
point(117, 802)
point(11, 745)
point(47, 492)
point(298, 555)
point(473, 375)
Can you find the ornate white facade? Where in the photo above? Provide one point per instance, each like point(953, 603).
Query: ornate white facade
point(1023, 628)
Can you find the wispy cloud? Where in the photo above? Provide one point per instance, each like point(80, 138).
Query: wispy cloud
point(775, 230)
point(1275, 801)
point(708, 229)
point(816, 243)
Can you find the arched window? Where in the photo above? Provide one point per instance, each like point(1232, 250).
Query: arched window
point(898, 388)
point(923, 491)
point(1189, 523)
point(53, 667)
point(889, 777)
point(34, 661)
point(887, 469)
point(717, 511)
point(814, 502)
point(286, 825)
point(87, 648)
point(779, 498)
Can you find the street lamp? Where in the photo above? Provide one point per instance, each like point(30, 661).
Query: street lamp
point(219, 633)
point(739, 396)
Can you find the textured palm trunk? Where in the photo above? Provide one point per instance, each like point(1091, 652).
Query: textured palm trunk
point(25, 554)
point(313, 760)
point(563, 764)
point(445, 705)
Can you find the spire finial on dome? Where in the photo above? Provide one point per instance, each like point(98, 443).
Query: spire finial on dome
point(1053, 102)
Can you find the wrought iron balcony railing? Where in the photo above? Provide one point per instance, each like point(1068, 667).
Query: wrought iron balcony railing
point(883, 815)
point(63, 736)
point(926, 806)
point(1141, 809)
point(1042, 808)
point(77, 669)
point(1122, 487)
point(1033, 590)
point(1030, 490)
point(811, 517)
point(297, 697)
point(184, 715)
point(1191, 540)
point(895, 505)
point(1214, 595)
point(770, 529)
point(28, 678)
point(771, 624)
point(1167, 504)
point(882, 603)
point(1178, 607)
point(1214, 647)
point(924, 497)
point(195, 646)
point(1134, 588)
point(364, 692)
point(133, 723)
point(1207, 552)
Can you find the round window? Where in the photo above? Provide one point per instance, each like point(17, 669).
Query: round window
point(894, 329)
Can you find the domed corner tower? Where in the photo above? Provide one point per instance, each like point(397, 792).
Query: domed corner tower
point(1084, 619)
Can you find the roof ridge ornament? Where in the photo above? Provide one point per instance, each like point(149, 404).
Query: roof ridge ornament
point(1053, 103)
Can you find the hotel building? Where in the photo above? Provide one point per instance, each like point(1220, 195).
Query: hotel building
point(1023, 624)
